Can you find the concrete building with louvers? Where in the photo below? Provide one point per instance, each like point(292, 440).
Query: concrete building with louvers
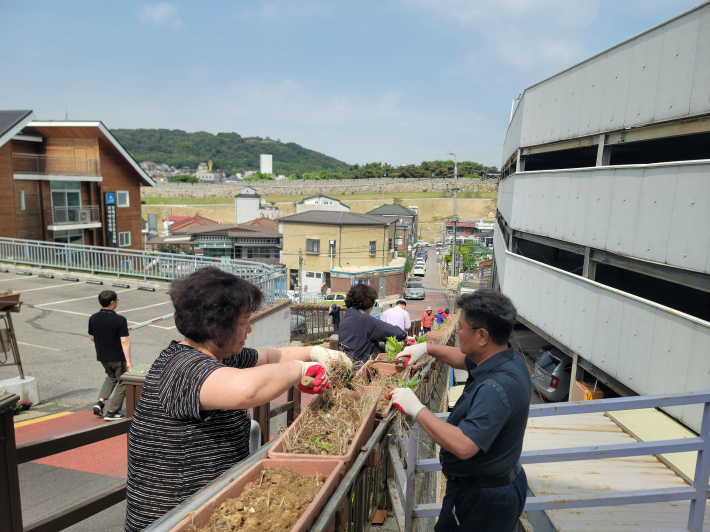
point(602, 237)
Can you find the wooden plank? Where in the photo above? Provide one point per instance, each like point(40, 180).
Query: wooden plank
point(79, 512)
point(276, 410)
point(43, 448)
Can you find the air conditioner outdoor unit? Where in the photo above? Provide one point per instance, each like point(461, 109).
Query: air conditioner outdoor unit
point(84, 216)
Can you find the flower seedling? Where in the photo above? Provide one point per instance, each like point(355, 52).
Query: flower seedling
point(316, 442)
point(393, 348)
point(411, 383)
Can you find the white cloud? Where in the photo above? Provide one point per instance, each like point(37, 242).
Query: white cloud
point(160, 14)
point(288, 9)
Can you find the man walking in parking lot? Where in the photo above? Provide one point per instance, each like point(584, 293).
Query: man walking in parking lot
point(109, 332)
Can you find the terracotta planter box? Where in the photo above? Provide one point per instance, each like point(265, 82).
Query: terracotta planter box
point(387, 369)
point(9, 300)
point(361, 436)
point(331, 469)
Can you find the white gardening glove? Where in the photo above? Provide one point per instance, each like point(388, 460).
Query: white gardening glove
point(406, 401)
point(412, 354)
point(325, 357)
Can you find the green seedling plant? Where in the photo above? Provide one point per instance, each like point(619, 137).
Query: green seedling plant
point(316, 442)
point(393, 347)
point(421, 339)
point(411, 383)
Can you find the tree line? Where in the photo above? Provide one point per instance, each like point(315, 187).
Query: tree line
point(426, 169)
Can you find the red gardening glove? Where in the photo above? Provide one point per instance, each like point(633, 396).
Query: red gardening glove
point(321, 382)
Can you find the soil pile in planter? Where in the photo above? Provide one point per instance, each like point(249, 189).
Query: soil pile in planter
point(271, 504)
point(331, 429)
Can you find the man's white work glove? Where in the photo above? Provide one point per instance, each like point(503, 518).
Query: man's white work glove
point(412, 354)
point(325, 357)
point(405, 400)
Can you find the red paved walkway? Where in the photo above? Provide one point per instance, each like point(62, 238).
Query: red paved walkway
point(108, 457)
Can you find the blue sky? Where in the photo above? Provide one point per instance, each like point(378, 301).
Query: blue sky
point(391, 80)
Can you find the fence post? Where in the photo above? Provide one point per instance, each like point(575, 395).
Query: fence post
point(702, 473)
point(10, 508)
point(412, 452)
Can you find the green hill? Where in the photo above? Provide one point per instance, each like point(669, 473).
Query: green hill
point(228, 151)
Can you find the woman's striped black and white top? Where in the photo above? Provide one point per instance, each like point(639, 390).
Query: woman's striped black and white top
point(174, 448)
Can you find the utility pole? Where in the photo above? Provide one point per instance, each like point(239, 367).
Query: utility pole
point(453, 244)
point(300, 268)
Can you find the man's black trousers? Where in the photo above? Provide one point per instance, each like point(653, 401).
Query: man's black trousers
point(476, 509)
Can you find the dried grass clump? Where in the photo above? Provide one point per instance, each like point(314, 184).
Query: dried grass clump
point(374, 377)
point(330, 429)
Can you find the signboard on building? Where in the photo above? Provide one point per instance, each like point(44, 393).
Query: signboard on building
point(452, 283)
point(110, 219)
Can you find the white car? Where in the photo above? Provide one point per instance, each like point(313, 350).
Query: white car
point(418, 271)
point(420, 264)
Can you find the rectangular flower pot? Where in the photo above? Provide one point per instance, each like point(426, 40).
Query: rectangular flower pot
point(361, 436)
point(388, 369)
point(331, 469)
point(9, 300)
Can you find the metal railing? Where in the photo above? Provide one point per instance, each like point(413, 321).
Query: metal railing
point(23, 163)
point(137, 263)
point(75, 215)
point(696, 494)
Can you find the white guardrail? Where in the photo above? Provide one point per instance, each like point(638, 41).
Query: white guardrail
point(136, 263)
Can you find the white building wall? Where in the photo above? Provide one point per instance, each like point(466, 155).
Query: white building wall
point(650, 348)
point(656, 212)
point(266, 164)
point(272, 329)
point(245, 209)
point(661, 74)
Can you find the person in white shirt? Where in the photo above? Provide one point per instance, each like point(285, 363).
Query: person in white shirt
point(398, 316)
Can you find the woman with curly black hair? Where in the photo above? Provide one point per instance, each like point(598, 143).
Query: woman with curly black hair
point(360, 334)
point(191, 423)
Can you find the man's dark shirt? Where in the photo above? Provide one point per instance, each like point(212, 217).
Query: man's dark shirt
point(107, 328)
point(493, 413)
point(360, 334)
point(335, 313)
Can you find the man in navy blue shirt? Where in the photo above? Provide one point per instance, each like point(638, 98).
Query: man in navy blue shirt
point(482, 439)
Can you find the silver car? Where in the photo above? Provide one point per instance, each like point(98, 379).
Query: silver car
point(414, 290)
point(553, 370)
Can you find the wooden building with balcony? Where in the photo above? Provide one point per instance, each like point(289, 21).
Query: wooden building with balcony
point(69, 182)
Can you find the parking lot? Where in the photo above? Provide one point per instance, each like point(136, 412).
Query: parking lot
point(52, 327)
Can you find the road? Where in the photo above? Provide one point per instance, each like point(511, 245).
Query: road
point(435, 296)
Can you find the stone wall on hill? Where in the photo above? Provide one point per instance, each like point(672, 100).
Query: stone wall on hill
point(307, 187)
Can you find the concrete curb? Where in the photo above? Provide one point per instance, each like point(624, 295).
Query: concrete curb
point(107, 280)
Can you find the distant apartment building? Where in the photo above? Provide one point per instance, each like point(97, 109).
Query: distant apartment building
point(320, 203)
point(602, 234)
point(69, 182)
point(266, 165)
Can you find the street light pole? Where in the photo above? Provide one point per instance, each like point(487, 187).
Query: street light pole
point(453, 244)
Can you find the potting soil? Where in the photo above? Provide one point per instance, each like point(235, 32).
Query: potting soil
point(272, 503)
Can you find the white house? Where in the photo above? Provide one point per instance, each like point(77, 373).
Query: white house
point(320, 203)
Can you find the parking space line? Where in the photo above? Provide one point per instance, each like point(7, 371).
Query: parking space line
point(47, 287)
point(79, 299)
point(40, 346)
point(21, 278)
point(89, 315)
point(141, 308)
